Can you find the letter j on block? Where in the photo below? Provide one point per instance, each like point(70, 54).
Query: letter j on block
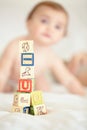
point(27, 59)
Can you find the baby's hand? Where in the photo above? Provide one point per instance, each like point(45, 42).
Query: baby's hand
point(76, 88)
point(77, 61)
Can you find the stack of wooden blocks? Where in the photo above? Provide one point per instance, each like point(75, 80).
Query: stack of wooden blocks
point(25, 99)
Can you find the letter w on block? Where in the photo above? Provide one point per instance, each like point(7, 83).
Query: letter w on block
point(25, 85)
point(27, 59)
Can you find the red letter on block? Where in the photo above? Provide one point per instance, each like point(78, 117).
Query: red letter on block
point(25, 85)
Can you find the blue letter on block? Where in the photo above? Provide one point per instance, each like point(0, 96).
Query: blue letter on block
point(26, 110)
point(27, 59)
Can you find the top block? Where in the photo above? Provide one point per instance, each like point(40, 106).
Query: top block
point(26, 46)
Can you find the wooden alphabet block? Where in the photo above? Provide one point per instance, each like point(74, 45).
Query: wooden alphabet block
point(38, 109)
point(26, 110)
point(26, 46)
point(21, 99)
point(25, 85)
point(27, 59)
point(36, 98)
point(17, 109)
point(21, 109)
point(26, 72)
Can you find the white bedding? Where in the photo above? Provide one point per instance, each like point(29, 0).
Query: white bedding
point(65, 112)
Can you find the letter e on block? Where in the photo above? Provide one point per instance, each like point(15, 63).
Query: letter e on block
point(27, 59)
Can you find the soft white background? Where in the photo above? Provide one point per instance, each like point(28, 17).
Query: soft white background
point(13, 14)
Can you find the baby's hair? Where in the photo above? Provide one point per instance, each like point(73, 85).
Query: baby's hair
point(50, 4)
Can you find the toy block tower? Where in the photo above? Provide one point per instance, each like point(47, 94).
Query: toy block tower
point(25, 99)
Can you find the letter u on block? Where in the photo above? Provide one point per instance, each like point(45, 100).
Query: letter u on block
point(25, 85)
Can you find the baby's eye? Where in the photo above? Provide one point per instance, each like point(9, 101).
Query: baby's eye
point(57, 27)
point(44, 21)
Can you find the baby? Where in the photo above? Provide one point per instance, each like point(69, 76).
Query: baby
point(47, 25)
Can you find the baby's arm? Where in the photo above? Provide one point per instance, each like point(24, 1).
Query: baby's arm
point(64, 76)
point(6, 62)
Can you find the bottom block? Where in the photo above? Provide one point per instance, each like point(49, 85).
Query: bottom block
point(38, 109)
point(21, 109)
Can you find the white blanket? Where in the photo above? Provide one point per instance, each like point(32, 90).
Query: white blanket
point(65, 112)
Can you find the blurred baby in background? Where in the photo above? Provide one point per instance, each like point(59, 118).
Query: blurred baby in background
point(47, 24)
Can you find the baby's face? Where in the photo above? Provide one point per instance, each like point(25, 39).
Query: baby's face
point(47, 26)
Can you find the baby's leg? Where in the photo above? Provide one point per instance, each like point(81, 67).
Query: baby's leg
point(81, 73)
point(10, 87)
